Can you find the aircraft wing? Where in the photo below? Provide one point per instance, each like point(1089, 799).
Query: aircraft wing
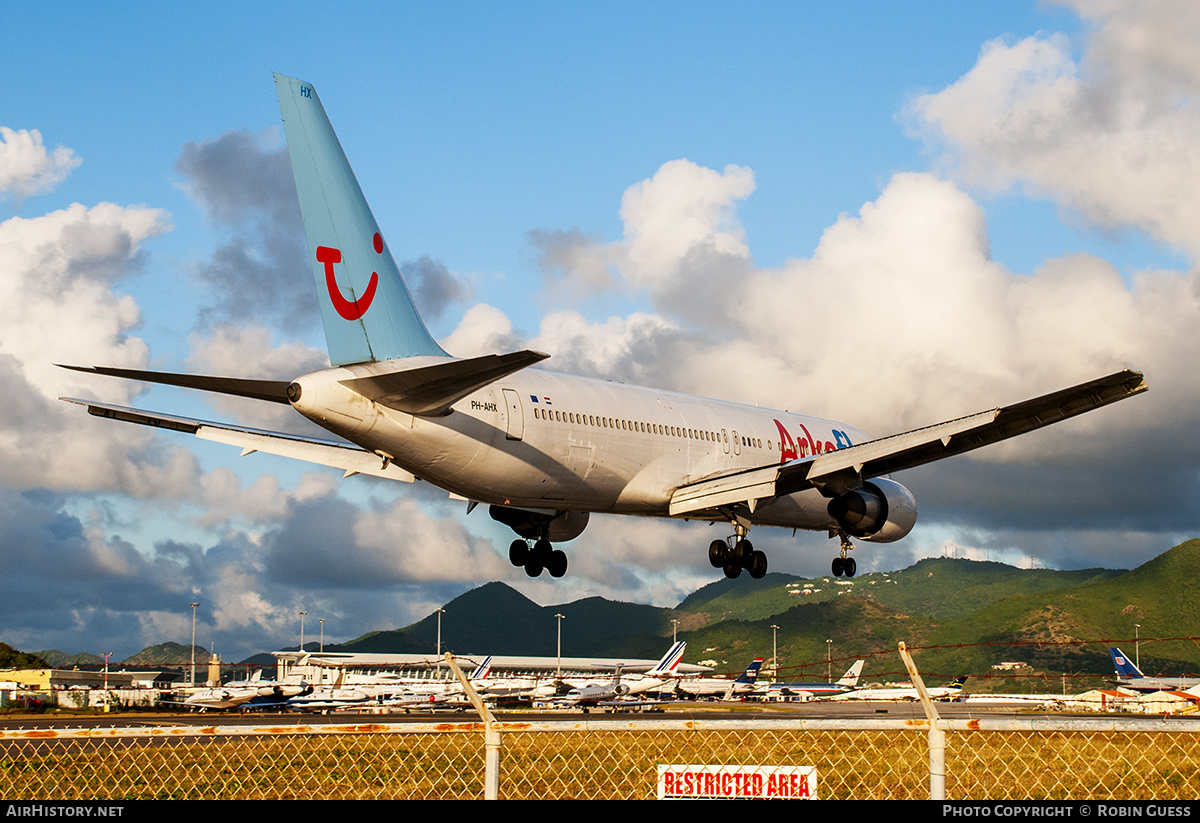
point(844, 469)
point(350, 459)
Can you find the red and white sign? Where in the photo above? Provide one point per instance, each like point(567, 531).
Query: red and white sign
point(729, 782)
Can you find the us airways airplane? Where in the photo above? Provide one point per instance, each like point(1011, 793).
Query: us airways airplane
point(545, 450)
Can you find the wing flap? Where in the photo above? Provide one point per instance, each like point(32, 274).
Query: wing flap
point(350, 459)
point(903, 451)
point(727, 490)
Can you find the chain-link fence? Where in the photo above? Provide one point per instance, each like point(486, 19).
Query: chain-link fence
point(990, 758)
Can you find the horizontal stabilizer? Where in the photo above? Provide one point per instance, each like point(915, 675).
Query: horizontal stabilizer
point(432, 390)
point(350, 459)
point(274, 391)
point(850, 466)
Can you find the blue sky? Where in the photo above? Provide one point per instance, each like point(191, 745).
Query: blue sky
point(884, 213)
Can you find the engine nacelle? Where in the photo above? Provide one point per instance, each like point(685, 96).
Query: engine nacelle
point(534, 525)
point(880, 511)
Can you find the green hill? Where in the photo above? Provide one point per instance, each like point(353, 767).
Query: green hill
point(168, 654)
point(497, 619)
point(960, 616)
point(10, 658)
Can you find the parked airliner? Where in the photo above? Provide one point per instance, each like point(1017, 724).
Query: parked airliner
point(545, 450)
point(806, 691)
point(1129, 676)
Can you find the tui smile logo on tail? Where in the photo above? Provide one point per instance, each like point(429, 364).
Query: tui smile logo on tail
point(348, 309)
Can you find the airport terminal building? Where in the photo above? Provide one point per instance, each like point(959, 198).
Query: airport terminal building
point(324, 667)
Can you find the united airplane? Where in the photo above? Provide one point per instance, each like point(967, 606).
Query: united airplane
point(546, 450)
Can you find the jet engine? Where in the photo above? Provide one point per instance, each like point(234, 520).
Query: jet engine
point(879, 510)
point(536, 526)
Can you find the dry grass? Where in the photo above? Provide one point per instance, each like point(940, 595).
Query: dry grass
point(599, 764)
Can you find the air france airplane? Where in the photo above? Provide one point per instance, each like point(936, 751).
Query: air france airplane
point(545, 450)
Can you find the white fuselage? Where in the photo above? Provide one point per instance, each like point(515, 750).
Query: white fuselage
point(542, 440)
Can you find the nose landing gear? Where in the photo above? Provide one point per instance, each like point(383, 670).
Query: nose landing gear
point(843, 565)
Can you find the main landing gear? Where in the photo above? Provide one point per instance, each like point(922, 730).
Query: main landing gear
point(736, 553)
point(843, 564)
point(541, 555)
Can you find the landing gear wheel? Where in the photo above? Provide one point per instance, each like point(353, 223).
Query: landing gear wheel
point(518, 552)
point(716, 553)
point(758, 565)
point(732, 570)
point(557, 564)
point(539, 558)
point(850, 567)
point(742, 551)
point(839, 565)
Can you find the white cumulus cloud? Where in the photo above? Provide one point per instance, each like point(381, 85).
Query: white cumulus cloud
point(27, 167)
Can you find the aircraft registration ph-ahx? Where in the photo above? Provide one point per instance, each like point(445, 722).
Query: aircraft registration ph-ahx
point(545, 450)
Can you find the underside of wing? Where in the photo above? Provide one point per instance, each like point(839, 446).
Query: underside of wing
point(348, 458)
point(839, 471)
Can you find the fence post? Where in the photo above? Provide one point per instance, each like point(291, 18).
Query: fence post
point(491, 734)
point(937, 736)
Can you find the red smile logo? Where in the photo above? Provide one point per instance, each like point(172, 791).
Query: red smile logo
point(348, 309)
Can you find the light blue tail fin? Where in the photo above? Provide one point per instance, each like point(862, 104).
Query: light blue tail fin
point(367, 311)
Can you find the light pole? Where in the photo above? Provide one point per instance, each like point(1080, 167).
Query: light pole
point(322, 622)
point(558, 665)
point(192, 676)
point(774, 653)
point(1137, 645)
point(302, 613)
point(439, 637)
point(674, 631)
point(829, 660)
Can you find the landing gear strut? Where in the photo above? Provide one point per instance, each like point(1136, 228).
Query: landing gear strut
point(843, 564)
point(736, 553)
point(541, 555)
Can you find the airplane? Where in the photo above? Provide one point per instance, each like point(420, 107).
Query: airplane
point(1129, 676)
point(546, 450)
point(252, 693)
point(950, 692)
point(720, 688)
point(847, 683)
point(636, 681)
point(220, 698)
point(325, 698)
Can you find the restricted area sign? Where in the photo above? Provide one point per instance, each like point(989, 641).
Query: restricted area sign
point(729, 782)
